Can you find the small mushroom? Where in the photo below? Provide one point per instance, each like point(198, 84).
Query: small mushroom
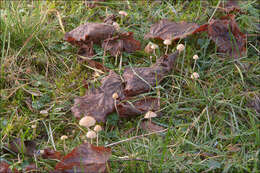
point(195, 75)
point(115, 96)
point(180, 47)
point(153, 47)
point(195, 57)
point(91, 135)
point(149, 115)
point(167, 42)
point(123, 13)
point(63, 138)
point(87, 121)
point(97, 129)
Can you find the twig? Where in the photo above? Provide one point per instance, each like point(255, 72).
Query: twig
point(134, 137)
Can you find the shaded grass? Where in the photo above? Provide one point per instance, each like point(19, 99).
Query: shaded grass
point(211, 126)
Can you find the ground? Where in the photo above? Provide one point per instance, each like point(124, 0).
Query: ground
point(212, 122)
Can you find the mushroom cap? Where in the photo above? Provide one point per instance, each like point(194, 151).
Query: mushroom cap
point(167, 42)
point(180, 47)
point(195, 57)
point(97, 128)
point(87, 121)
point(154, 46)
point(195, 75)
point(123, 13)
point(64, 137)
point(150, 114)
point(91, 134)
point(115, 96)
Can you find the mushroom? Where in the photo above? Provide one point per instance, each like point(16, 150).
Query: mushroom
point(87, 121)
point(97, 129)
point(195, 75)
point(167, 42)
point(123, 13)
point(63, 138)
point(91, 135)
point(153, 47)
point(149, 115)
point(195, 57)
point(180, 47)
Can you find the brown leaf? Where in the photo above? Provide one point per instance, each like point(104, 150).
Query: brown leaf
point(166, 29)
point(123, 42)
point(4, 168)
point(230, 6)
point(98, 103)
point(85, 157)
point(137, 107)
point(48, 153)
point(150, 126)
point(90, 32)
point(227, 36)
point(26, 147)
point(86, 50)
point(140, 79)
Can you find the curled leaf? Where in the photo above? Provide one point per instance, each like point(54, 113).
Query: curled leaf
point(142, 79)
point(150, 126)
point(227, 36)
point(99, 102)
point(128, 109)
point(123, 42)
point(168, 30)
point(85, 157)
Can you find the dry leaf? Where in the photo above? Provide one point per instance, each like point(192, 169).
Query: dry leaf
point(87, 158)
point(128, 109)
point(123, 42)
point(26, 147)
point(140, 80)
point(49, 153)
point(98, 103)
point(168, 30)
point(227, 36)
point(230, 6)
point(4, 168)
point(150, 126)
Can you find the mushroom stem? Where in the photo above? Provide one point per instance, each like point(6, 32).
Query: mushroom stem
point(154, 54)
point(120, 63)
point(166, 50)
point(97, 139)
point(194, 65)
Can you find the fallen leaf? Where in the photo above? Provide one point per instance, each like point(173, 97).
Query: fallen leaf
point(86, 158)
point(26, 147)
point(128, 109)
point(123, 42)
point(98, 103)
point(86, 50)
point(230, 6)
point(90, 32)
point(227, 36)
point(49, 153)
point(168, 30)
point(150, 126)
point(4, 168)
point(140, 80)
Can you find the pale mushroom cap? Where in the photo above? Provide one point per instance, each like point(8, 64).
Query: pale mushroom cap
point(34, 126)
point(91, 134)
point(97, 128)
point(195, 75)
point(64, 137)
point(115, 96)
point(123, 13)
point(195, 57)
point(87, 121)
point(150, 114)
point(154, 46)
point(167, 42)
point(180, 47)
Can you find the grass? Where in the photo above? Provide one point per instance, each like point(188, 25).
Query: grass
point(212, 127)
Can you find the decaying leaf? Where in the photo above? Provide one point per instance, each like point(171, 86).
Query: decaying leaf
point(123, 42)
point(128, 109)
point(227, 36)
point(26, 147)
point(48, 153)
point(168, 30)
point(150, 126)
point(142, 79)
point(98, 103)
point(4, 168)
point(230, 5)
point(85, 158)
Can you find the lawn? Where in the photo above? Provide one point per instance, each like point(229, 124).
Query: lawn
point(212, 122)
